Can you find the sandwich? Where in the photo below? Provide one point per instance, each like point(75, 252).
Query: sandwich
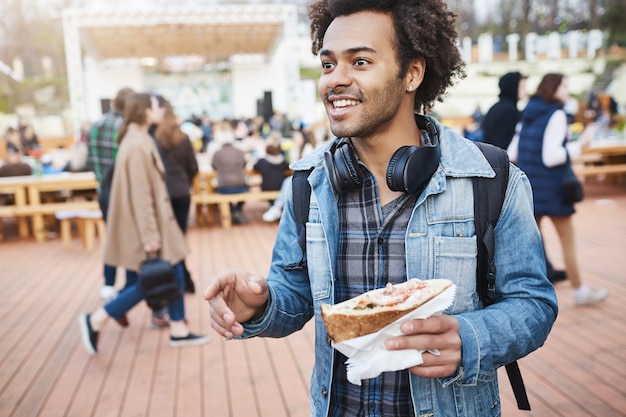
point(373, 310)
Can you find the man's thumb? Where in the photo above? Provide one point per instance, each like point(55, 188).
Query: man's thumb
point(255, 283)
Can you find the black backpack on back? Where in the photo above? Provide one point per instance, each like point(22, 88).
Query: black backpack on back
point(488, 199)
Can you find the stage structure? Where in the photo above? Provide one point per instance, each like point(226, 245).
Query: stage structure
point(256, 44)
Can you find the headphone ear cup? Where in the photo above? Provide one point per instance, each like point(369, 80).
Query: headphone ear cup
point(342, 164)
point(332, 170)
point(411, 167)
point(395, 177)
point(351, 174)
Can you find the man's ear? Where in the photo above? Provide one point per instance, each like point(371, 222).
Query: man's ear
point(415, 74)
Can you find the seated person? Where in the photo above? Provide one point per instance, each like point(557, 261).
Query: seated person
point(230, 164)
point(12, 139)
point(14, 166)
point(272, 168)
point(29, 139)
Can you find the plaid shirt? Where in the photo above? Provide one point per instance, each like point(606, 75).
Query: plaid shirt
point(372, 253)
point(102, 143)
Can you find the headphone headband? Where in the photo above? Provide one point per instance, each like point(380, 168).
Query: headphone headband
point(410, 167)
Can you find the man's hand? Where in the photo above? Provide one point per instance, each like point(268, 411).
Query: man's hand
point(235, 297)
point(441, 333)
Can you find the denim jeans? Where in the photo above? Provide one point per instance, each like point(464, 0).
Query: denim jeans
point(110, 272)
point(131, 295)
point(236, 207)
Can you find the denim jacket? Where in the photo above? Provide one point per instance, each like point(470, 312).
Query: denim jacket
point(441, 230)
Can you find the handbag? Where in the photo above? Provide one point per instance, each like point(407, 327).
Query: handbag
point(158, 282)
point(572, 188)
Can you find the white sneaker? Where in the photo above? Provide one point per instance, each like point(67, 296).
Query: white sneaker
point(593, 296)
point(272, 214)
point(107, 293)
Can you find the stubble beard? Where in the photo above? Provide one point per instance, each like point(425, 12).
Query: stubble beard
point(376, 114)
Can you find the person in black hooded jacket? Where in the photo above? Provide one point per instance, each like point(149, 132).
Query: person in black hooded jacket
point(499, 128)
point(500, 121)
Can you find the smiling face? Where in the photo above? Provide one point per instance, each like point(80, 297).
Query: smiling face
point(362, 90)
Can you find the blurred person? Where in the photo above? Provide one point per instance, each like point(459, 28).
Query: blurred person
point(230, 164)
point(277, 122)
point(272, 168)
point(382, 64)
point(181, 168)
point(541, 149)
point(101, 151)
point(499, 126)
point(29, 139)
point(240, 129)
point(499, 123)
point(102, 136)
point(207, 131)
point(12, 140)
point(78, 158)
point(141, 224)
point(304, 140)
point(473, 131)
point(193, 131)
point(14, 166)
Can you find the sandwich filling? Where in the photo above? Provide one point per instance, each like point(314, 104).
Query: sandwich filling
point(390, 295)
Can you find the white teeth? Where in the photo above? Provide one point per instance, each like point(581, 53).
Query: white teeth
point(344, 103)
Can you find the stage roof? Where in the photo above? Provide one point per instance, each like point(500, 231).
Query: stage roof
point(214, 32)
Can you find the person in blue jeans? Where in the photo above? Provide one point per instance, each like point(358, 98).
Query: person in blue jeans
point(102, 147)
point(141, 224)
point(392, 199)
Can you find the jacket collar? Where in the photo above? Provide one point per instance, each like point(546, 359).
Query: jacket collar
point(459, 157)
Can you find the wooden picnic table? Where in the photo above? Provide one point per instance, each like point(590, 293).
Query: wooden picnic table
point(15, 186)
point(602, 158)
point(28, 192)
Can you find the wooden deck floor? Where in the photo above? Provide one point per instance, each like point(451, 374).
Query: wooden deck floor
point(45, 372)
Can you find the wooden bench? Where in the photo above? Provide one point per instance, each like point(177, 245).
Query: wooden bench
point(54, 208)
point(223, 201)
point(584, 171)
point(87, 221)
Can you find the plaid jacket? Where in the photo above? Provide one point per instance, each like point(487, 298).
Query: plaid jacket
point(102, 143)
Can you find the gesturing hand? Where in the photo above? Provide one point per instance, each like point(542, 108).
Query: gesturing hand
point(441, 333)
point(235, 297)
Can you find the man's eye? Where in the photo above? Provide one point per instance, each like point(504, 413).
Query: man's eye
point(360, 62)
point(327, 65)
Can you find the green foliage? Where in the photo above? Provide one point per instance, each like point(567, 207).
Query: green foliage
point(310, 73)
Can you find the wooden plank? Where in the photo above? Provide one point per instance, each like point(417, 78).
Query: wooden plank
point(45, 371)
point(43, 362)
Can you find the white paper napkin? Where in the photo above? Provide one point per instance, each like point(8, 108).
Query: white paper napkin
point(367, 356)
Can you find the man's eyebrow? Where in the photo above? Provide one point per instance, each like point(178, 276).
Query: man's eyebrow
point(350, 51)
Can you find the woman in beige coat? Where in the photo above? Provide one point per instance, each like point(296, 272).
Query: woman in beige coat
point(140, 221)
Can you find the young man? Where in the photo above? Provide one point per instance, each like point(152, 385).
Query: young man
point(382, 62)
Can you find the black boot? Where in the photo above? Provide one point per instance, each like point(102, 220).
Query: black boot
point(190, 287)
point(554, 275)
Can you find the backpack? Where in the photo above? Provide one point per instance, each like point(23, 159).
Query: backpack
point(488, 199)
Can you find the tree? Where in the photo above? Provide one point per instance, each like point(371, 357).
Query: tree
point(30, 32)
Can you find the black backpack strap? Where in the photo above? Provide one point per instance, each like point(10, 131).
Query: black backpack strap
point(488, 199)
point(301, 190)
